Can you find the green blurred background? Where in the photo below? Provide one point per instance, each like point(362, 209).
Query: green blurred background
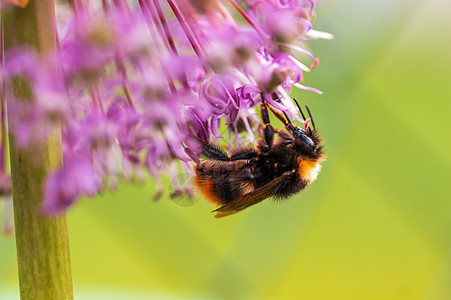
point(375, 225)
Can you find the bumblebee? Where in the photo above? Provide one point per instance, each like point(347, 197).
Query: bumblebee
point(282, 163)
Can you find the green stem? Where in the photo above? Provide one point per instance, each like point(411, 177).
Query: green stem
point(42, 242)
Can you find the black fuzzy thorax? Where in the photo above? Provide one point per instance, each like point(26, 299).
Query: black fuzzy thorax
point(272, 164)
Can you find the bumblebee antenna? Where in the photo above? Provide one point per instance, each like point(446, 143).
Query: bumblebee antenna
point(303, 116)
point(311, 118)
point(302, 113)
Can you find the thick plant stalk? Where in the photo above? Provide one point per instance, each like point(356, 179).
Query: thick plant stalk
point(42, 242)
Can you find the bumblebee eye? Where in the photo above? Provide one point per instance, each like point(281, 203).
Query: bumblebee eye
point(300, 135)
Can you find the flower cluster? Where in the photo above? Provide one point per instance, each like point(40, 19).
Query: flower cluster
point(133, 87)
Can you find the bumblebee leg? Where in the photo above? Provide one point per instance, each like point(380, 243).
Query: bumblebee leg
point(213, 152)
point(286, 121)
point(244, 154)
point(279, 116)
point(268, 130)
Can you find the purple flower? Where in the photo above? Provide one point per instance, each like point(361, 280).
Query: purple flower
point(135, 88)
point(76, 178)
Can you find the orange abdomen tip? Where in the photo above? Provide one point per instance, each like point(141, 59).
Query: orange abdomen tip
point(205, 187)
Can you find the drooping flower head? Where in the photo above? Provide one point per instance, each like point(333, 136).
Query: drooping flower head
point(134, 86)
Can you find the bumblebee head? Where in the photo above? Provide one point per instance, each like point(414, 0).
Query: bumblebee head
point(306, 141)
point(302, 138)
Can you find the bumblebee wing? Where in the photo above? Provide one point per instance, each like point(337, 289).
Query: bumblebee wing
point(254, 197)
